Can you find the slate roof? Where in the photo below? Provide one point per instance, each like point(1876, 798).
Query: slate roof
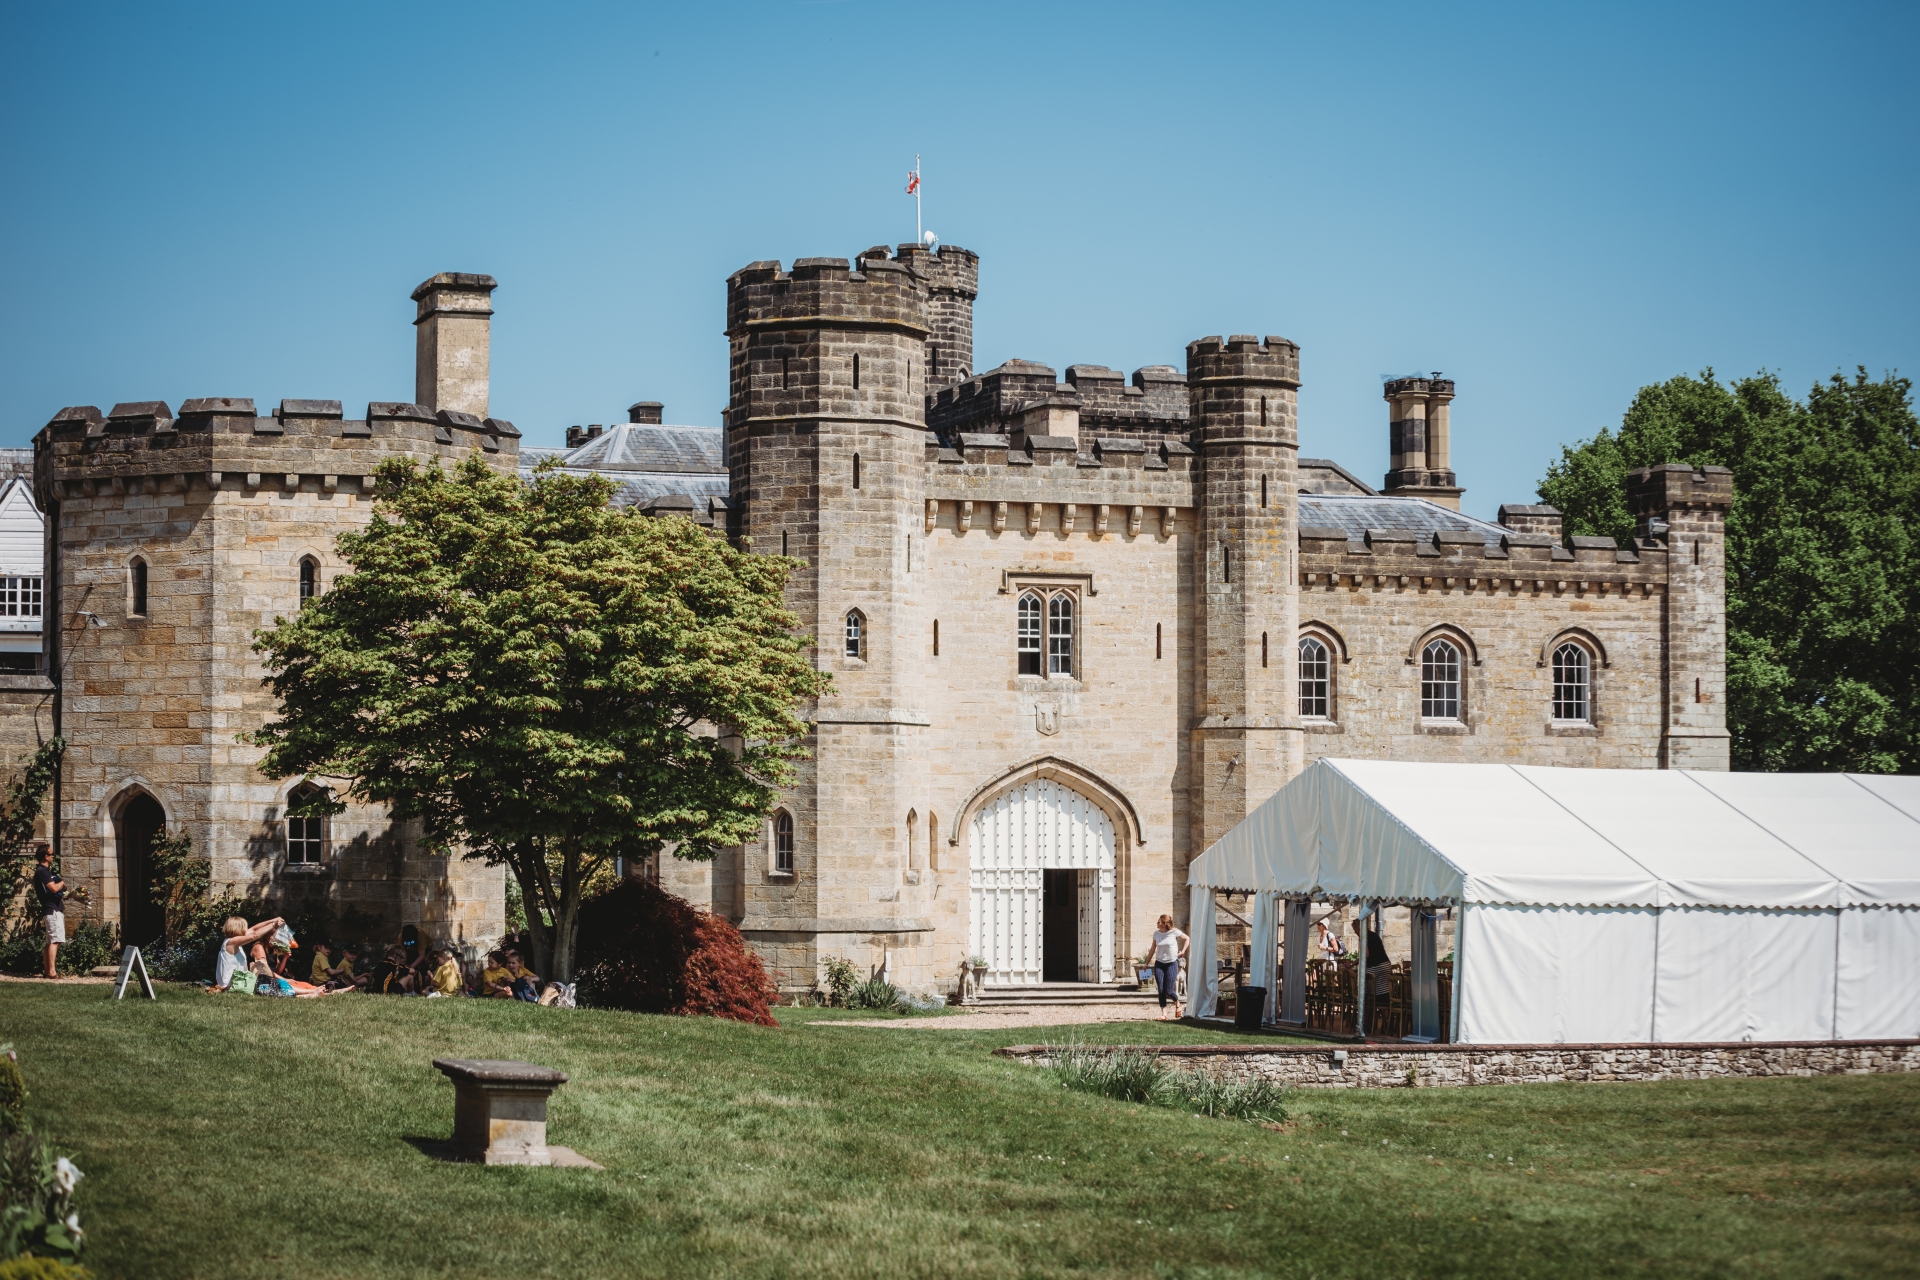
point(643, 446)
point(1355, 515)
point(647, 461)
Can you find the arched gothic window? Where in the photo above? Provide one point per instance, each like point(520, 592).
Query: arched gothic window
point(306, 837)
point(309, 578)
point(1316, 679)
point(1044, 641)
point(1030, 630)
point(1572, 683)
point(783, 843)
point(1440, 681)
point(856, 634)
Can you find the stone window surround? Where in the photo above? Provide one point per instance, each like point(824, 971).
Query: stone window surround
point(324, 861)
point(773, 833)
point(1046, 586)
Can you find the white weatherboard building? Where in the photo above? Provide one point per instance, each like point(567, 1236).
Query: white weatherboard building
point(22, 555)
point(1598, 905)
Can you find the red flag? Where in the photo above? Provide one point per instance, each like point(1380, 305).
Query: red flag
point(913, 181)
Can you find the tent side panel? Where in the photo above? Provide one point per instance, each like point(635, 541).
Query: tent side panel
point(1745, 975)
point(1553, 975)
point(1878, 993)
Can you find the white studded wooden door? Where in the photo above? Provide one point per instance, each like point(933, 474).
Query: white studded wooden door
point(1015, 839)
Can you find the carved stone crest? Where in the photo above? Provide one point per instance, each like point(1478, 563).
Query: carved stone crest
point(1046, 719)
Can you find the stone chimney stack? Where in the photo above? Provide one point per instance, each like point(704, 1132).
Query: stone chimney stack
point(450, 342)
point(646, 411)
point(1419, 431)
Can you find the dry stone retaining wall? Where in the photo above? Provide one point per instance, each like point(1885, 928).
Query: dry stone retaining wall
point(1436, 1066)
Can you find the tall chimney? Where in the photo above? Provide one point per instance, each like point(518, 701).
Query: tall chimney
point(450, 342)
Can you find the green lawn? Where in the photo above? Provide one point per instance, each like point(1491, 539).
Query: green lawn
point(231, 1137)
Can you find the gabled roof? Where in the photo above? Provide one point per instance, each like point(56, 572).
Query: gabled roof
point(1531, 836)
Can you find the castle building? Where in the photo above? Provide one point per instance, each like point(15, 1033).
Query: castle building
point(1077, 627)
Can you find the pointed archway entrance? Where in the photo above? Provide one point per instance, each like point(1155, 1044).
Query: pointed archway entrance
point(1041, 882)
point(139, 823)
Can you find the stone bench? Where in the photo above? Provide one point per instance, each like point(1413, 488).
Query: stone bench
point(500, 1112)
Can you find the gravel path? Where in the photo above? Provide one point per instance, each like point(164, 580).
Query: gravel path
point(1013, 1018)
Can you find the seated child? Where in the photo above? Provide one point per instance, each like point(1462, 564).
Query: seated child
point(497, 980)
point(391, 976)
point(525, 985)
point(344, 978)
point(446, 974)
point(323, 970)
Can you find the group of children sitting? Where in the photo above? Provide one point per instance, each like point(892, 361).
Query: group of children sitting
point(256, 959)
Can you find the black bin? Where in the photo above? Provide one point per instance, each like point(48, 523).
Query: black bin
point(1250, 1003)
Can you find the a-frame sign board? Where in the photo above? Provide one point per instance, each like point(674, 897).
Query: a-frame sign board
point(129, 961)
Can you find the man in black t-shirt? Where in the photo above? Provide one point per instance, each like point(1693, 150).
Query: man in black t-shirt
point(52, 891)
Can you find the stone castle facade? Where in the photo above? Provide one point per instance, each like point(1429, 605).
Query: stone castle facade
point(1077, 628)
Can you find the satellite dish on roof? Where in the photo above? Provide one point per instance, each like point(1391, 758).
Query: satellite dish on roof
point(931, 239)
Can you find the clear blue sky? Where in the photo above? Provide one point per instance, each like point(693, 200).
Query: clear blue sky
point(1554, 205)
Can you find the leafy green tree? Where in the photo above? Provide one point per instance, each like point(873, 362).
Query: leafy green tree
point(536, 676)
point(26, 796)
point(1823, 571)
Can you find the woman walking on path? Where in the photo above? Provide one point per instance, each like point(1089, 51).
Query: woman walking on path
point(1169, 949)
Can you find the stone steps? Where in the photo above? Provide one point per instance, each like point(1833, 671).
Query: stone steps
point(1066, 994)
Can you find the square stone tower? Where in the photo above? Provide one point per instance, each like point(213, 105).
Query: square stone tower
point(173, 539)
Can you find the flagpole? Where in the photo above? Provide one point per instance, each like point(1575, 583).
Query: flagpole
point(919, 233)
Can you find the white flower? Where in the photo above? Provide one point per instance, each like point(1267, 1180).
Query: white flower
point(66, 1175)
point(73, 1223)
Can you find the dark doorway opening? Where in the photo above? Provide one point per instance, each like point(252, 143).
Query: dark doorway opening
point(1060, 927)
point(140, 824)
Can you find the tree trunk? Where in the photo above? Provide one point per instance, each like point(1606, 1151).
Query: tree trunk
point(527, 862)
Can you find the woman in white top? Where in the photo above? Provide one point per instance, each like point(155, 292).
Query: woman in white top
point(233, 948)
point(1169, 949)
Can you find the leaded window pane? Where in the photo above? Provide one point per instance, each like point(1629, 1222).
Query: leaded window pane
point(1029, 647)
point(1060, 636)
point(1316, 674)
point(1572, 676)
point(783, 842)
point(306, 837)
point(856, 635)
point(1440, 682)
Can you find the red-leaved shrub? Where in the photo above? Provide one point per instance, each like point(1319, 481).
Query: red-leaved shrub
point(643, 949)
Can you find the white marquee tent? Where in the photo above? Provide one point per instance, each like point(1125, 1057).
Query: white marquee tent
point(1607, 905)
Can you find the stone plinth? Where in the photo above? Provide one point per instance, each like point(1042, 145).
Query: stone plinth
point(500, 1110)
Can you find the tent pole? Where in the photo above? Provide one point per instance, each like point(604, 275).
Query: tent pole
point(1459, 936)
point(1360, 979)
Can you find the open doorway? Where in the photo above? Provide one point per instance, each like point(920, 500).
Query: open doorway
point(139, 824)
point(1060, 932)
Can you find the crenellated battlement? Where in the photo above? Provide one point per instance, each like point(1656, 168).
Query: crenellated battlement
point(1677, 486)
point(873, 293)
point(1244, 358)
point(1154, 405)
point(83, 452)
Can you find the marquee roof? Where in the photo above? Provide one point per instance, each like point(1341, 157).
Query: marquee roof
point(1526, 835)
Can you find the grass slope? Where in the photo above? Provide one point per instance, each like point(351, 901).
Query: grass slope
point(231, 1137)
